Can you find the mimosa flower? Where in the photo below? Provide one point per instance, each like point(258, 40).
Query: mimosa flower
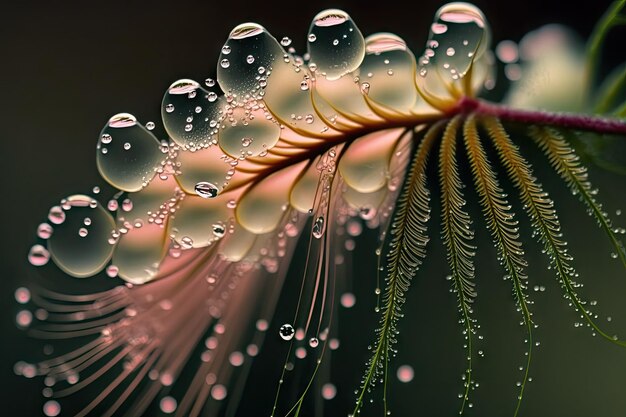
point(286, 147)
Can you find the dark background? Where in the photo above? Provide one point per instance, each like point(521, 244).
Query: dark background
point(65, 68)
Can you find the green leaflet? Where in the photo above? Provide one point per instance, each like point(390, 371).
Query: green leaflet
point(457, 235)
point(567, 164)
point(545, 221)
point(503, 227)
point(406, 250)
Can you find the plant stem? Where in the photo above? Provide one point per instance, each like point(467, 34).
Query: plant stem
point(565, 120)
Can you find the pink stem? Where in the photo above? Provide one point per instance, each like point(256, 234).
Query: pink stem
point(567, 120)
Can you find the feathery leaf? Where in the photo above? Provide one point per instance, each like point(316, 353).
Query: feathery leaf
point(457, 235)
point(406, 251)
point(504, 230)
point(545, 221)
point(567, 164)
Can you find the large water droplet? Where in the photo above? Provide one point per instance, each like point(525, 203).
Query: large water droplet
point(251, 47)
point(190, 114)
point(387, 52)
point(459, 36)
point(338, 46)
point(286, 332)
point(127, 167)
point(79, 250)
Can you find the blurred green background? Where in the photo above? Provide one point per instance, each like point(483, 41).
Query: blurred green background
point(67, 67)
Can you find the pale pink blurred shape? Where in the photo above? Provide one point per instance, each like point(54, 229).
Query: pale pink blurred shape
point(348, 300)
point(168, 404)
point(236, 359)
point(24, 318)
point(507, 51)
point(300, 353)
point(405, 373)
point(22, 295)
point(51, 408)
point(218, 392)
point(38, 255)
point(329, 391)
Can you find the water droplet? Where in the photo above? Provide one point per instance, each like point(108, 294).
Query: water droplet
point(319, 227)
point(309, 118)
point(56, 215)
point(186, 242)
point(249, 43)
point(38, 255)
point(460, 29)
point(150, 125)
point(132, 157)
point(224, 63)
point(334, 58)
point(314, 342)
point(169, 108)
point(312, 37)
point(190, 102)
point(285, 41)
point(206, 189)
point(219, 230)
point(75, 249)
point(286, 332)
point(112, 271)
point(122, 120)
point(44, 230)
point(226, 49)
point(304, 85)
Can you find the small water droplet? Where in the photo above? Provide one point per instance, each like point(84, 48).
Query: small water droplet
point(226, 49)
point(318, 227)
point(286, 332)
point(314, 342)
point(206, 189)
point(225, 63)
point(312, 37)
point(219, 230)
point(56, 215)
point(150, 125)
point(169, 108)
point(38, 255)
point(44, 231)
point(250, 59)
